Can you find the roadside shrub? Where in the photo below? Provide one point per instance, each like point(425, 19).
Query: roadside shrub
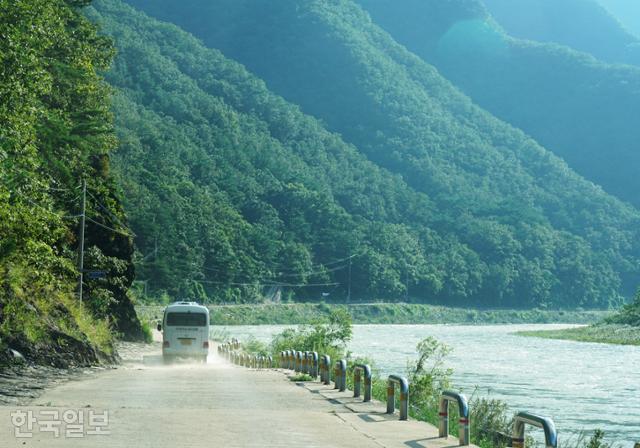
point(146, 332)
point(428, 377)
point(255, 347)
point(328, 335)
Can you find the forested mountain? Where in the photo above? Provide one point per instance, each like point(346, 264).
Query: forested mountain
point(584, 25)
point(579, 108)
point(474, 211)
point(55, 130)
point(240, 190)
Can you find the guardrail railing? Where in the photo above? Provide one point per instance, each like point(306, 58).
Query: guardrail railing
point(313, 364)
point(298, 362)
point(525, 418)
point(358, 371)
point(340, 375)
point(463, 409)
point(325, 369)
point(403, 385)
point(289, 359)
point(309, 362)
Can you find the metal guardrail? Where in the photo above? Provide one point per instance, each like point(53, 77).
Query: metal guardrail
point(292, 360)
point(525, 418)
point(298, 362)
point(358, 371)
point(325, 369)
point(463, 409)
point(310, 363)
point(340, 375)
point(403, 385)
point(313, 364)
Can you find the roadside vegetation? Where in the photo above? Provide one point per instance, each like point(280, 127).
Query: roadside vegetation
point(622, 328)
point(56, 130)
point(428, 376)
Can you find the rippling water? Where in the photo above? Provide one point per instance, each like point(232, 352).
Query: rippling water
point(582, 386)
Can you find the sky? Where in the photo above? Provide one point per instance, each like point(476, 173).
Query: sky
point(626, 11)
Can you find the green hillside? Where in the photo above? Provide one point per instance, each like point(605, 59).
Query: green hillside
point(584, 25)
point(55, 130)
point(474, 212)
point(242, 191)
point(577, 107)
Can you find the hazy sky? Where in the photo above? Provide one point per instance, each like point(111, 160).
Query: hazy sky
point(627, 11)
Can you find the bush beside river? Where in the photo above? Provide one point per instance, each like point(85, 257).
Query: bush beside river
point(428, 375)
point(621, 328)
point(601, 333)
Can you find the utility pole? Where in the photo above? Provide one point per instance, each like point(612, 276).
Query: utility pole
point(82, 224)
point(349, 287)
point(406, 285)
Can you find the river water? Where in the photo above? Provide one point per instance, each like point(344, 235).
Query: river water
point(582, 386)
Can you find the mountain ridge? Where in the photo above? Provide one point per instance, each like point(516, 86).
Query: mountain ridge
point(499, 234)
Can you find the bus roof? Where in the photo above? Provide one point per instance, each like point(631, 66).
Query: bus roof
point(187, 306)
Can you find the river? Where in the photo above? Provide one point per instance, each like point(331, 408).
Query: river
point(582, 386)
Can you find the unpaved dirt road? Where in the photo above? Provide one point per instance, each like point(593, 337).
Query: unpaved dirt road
point(212, 405)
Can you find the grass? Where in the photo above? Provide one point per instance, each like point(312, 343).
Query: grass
point(379, 313)
point(146, 331)
point(301, 377)
point(600, 333)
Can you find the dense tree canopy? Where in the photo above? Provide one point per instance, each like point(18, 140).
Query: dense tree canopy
point(55, 129)
point(243, 190)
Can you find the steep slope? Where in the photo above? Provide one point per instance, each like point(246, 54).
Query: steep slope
point(532, 232)
point(583, 25)
point(55, 129)
point(241, 192)
point(579, 108)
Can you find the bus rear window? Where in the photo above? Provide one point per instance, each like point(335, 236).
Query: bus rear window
point(186, 320)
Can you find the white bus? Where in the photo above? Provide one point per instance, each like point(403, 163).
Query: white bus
point(185, 331)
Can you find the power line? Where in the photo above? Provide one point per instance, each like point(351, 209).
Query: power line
point(35, 204)
point(288, 285)
point(82, 225)
point(309, 273)
point(114, 217)
point(109, 228)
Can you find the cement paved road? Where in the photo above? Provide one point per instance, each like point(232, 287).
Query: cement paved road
point(213, 405)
